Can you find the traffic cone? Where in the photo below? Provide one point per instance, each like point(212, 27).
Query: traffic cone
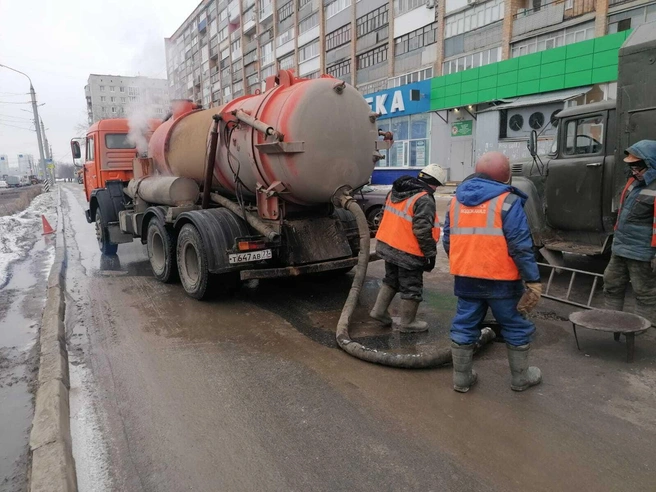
point(46, 226)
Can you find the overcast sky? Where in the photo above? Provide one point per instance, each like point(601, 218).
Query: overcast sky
point(58, 43)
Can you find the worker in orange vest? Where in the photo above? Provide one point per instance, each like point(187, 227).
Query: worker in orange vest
point(407, 240)
point(488, 240)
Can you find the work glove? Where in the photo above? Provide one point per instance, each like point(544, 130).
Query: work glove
point(530, 298)
point(430, 264)
point(653, 265)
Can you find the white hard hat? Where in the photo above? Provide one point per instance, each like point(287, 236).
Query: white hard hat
point(433, 171)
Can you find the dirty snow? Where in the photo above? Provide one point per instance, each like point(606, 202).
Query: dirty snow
point(19, 232)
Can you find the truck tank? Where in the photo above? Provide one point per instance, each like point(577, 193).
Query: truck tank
point(304, 137)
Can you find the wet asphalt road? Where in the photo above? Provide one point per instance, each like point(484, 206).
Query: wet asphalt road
point(250, 393)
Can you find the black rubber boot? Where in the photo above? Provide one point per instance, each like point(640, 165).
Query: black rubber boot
point(464, 376)
point(523, 376)
point(408, 322)
point(384, 299)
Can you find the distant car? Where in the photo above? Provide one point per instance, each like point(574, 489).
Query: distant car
point(3, 184)
point(372, 200)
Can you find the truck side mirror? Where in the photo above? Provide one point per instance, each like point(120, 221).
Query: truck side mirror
point(533, 143)
point(75, 149)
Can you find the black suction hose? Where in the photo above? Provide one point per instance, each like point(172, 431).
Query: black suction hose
point(435, 358)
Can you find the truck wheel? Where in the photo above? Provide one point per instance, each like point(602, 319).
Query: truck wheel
point(192, 262)
point(102, 235)
point(160, 242)
point(374, 217)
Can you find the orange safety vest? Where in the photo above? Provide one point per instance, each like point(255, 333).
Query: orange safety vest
point(478, 247)
point(630, 184)
point(395, 229)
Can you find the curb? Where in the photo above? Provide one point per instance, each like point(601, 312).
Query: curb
point(53, 467)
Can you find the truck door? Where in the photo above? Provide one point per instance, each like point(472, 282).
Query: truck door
point(90, 170)
point(574, 180)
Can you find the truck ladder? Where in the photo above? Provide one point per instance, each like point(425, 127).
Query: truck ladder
point(546, 294)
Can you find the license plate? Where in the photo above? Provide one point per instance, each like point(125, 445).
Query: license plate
point(264, 254)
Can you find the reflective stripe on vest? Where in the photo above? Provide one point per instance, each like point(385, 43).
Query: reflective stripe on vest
point(395, 228)
point(478, 246)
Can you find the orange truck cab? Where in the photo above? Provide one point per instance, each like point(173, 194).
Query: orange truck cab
point(108, 164)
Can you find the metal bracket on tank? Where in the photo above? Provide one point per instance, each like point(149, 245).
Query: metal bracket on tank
point(281, 147)
point(268, 203)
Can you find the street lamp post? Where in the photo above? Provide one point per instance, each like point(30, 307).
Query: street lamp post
point(35, 111)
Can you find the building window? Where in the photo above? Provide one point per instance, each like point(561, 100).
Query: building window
point(223, 34)
point(373, 57)
point(340, 69)
point(569, 4)
point(112, 99)
point(285, 11)
point(250, 57)
point(268, 72)
point(308, 23)
point(133, 91)
point(102, 99)
point(121, 89)
point(223, 15)
point(478, 16)
point(410, 78)
point(374, 20)
point(303, 3)
point(285, 37)
point(252, 79)
point(226, 91)
point(403, 6)
point(267, 54)
point(123, 99)
point(114, 109)
point(334, 8)
point(472, 60)
point(236, 49)
point(102, 88)
point(416, 39)
point(286, 62)
point(308, 51)
point(411, 141)
point(553, 39)
point(338, 37)
point(111, 88)
point(313, 75)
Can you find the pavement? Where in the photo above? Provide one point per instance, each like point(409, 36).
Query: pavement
point(25, 260)
point(250, 392)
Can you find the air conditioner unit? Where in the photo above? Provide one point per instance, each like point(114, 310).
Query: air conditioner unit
point(430, 4)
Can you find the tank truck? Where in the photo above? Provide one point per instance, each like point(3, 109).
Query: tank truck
point(256, 188)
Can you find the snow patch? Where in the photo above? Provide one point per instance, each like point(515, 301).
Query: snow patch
point(20, 231)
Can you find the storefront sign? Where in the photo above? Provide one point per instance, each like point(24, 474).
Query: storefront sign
point(407, 99)
point(461, 128)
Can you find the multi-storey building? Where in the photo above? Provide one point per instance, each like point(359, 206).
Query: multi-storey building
point(4, 164)
point(114, 96)
point(26, 165)
point(418, 63)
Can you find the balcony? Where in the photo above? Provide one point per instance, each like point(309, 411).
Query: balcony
point(214, 53)
point(580, 7)
point(249, 21)
point(531, 19)
point(247, 4)
point(266, 12)
point(202, 25)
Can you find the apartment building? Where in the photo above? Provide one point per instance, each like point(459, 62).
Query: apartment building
point(413, 61)
point(114, 96)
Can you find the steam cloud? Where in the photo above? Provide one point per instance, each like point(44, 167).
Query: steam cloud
point(139, 113)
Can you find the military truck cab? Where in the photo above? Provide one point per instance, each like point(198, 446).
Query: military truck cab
point(574, 190)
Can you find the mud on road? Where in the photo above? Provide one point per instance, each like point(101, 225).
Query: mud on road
point(249, 392)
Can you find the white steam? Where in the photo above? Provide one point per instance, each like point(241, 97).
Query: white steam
point(148, 101)
point(138, 123)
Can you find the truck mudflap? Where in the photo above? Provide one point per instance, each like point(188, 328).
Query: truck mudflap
point(294, 271)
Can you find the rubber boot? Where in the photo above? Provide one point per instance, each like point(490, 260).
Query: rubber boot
point(408, 322)
point(464, 377)
point(384, 299)
point(523, 376)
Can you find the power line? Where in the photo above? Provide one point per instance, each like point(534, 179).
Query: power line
point(19, 127)
point(15, 117)
point(14, 102)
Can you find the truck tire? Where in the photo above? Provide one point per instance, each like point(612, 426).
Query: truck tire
point(192, 262)
point(102, 235)
point(161, 246)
